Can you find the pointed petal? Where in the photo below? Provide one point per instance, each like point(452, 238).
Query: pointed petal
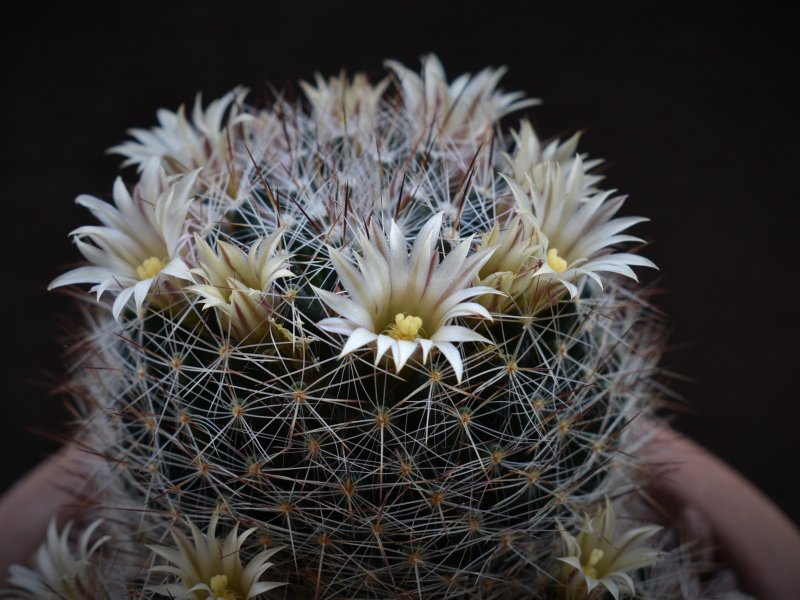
point(469, 309)
point(81, 275)
point(141, 289)
point(457, 333)
point(426, 345)
point(121, 301)
point(177, 268)
point(349, 309)
point(453, 356)
point(359, 338)
point(337, 325)
point(405, 351)
point(263, 586)
point(351, 279)
point(571, 288)
point(384, 343)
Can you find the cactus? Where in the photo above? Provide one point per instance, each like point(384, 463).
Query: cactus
point(390, 337)
point(63, 571)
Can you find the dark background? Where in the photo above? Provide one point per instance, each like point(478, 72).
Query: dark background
point(692, 109)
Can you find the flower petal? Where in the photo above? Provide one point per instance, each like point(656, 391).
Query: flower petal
point(121, 301)
point(359, 338)
point(349, 309)
point(457, 333)
point(453, 356)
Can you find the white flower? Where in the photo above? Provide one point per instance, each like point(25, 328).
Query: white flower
point(514, 263)
point(210, 570)
point(344, 106)
point(575, 229)
point(183, 146)
point(238, 283)
point(139, 243)
point(465, 110)
point(406, 301)
point(603, 559)
point(529, 152)
point(61, 573)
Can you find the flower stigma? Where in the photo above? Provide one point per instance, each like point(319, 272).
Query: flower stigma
point(558, 264)
point(405, 327)
point(595, 556)
point(219, 588)
point(150, 267)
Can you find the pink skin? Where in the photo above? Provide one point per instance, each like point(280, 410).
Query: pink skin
point(758, 540)
point(26, 508)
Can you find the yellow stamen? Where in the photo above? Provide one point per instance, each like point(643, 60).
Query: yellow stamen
point(150, 267)
point(405, 327)
point(219, 584)
point(558, 264)
point(219, 588)
point(595, 556)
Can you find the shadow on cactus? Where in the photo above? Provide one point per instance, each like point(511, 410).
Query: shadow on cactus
point(399, 342)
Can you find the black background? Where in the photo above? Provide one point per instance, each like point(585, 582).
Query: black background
point(691, 108)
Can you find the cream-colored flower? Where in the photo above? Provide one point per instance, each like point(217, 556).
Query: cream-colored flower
point(514, 263)
point(238, 284)
point(529, 152)
point(139, 244)
point(576, 231)
point(599, 557)
point(61, 572)
point(210, 569)
point(465, 110)
point(183, 146)
point(403, 301)
point(345, 106)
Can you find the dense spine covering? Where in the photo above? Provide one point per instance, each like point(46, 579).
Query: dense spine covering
point(390, 336)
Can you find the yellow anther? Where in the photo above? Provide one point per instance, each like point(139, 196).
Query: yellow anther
point(558, 264)
point(219, 584)
point(150, 267)
point(595, 556)
point(219, 588)
point(405, 327)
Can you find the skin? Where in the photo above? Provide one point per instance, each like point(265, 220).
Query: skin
point(26, 509)
point(759, 541)
point(756, 538)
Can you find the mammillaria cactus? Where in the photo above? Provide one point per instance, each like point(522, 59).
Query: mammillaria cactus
point(393, 340)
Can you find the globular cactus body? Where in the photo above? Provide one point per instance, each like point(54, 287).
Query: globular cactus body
point(392, 338)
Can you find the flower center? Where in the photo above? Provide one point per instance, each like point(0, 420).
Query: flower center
point(558, 264)
point(220, 590)
point(594, 557)
point(150, 267)
point(405, 327)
